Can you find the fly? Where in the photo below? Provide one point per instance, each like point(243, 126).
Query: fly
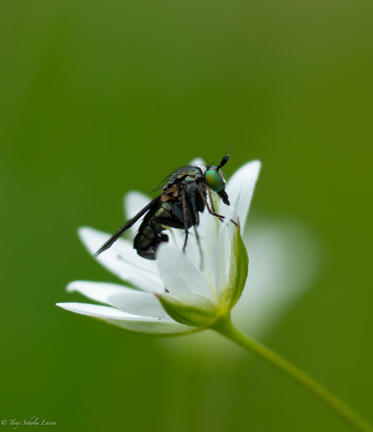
point(186, 194)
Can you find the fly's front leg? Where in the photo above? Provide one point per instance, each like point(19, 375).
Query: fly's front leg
point(212, 212)
point(213, 207)
point(211, 200)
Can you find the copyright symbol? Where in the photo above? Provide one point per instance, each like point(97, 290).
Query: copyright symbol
point(4, 422)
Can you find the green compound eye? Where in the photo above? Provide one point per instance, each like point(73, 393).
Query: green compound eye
point(214, 180)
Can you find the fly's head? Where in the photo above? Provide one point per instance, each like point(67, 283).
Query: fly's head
point(215, 179)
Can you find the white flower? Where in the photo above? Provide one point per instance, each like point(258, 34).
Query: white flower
point(194, 288)
point(283, 262)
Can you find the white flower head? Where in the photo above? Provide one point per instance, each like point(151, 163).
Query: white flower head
point(178, 292)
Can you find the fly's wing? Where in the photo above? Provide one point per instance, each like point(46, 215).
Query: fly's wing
point(128, 225)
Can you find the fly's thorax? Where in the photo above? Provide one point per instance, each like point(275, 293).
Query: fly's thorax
point(189, 179)
point(187, 173)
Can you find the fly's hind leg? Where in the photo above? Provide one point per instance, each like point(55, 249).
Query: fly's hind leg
point(199, 247)
point(185, 214)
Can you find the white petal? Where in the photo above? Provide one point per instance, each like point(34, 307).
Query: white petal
point(122, 260)
point(99, 311)
point(240, 189)
point(179, 274)
point(192, 250)
point(97, 291)
point(208, 234)
point(199, 162)
point(138, 303)
point(175, 238)
point(153, 327)
point(285, 259)
point(134, 202)
point(127, 321)
point(222, 257)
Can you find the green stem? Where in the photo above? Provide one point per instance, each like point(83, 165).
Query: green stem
point(226, 328)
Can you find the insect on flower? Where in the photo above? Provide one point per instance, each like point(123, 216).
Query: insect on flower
point(183, 197)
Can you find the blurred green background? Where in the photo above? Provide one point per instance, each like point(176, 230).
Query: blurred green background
point(101, 97)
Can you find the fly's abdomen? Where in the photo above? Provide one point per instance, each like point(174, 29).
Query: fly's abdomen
point(150, 233)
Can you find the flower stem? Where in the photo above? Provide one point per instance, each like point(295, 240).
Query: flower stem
point(226, 328)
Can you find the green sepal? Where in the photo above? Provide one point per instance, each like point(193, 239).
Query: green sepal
point(200, 313)
point(239, 265)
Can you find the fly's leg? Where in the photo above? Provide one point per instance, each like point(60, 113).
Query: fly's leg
point(199, 247)
point(213, 207)
point(212, 212)
point(234, 222)
point(185, 214)
point(193, 203)
point(211, 200)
